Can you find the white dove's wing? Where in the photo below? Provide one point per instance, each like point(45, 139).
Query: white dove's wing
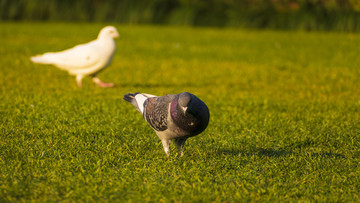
point(79, 57)
point(82, 59)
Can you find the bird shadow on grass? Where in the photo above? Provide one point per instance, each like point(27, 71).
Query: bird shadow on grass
point(255, 152)
point(275, 153)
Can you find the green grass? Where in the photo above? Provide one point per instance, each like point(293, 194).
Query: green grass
point(285, 112)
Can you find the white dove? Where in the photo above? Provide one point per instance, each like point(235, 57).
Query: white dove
point(85, 59)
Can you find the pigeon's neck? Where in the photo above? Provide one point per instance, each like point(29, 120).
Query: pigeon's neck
point(173, 111)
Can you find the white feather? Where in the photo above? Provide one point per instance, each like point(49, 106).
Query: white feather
point(140, 100)
point(149, 95)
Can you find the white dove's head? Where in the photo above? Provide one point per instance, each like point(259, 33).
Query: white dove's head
point(108, 32)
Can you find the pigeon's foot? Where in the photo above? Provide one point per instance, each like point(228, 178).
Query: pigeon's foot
point(166, 145)
point(101, 83)
point(179, 143)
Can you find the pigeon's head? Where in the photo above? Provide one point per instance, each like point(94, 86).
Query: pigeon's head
point(190, 113)
point(108, 32)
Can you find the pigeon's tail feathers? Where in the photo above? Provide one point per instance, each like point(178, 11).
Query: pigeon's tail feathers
point(137, 100)
point(131, 98)
point(43, 59)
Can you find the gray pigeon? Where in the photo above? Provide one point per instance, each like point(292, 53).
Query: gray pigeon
point(173, 117)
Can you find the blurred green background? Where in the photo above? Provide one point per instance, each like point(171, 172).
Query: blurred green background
point(336, 15)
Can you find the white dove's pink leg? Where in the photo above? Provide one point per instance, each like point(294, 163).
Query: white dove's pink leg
point(79, 79)
point(101, 83)
point(166, 145)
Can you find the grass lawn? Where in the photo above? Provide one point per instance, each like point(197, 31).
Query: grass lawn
point(284, 126)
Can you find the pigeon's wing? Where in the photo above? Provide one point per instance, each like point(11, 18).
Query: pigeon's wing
point(79, 57)
point(156, 111)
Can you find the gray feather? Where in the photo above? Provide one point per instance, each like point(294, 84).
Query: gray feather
point(156, 111)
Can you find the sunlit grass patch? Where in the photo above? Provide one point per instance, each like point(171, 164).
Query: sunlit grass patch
point(284, 116)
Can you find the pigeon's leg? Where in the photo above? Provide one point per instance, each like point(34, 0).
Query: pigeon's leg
point(179, 143)
point(101, 83)
point(79, 79)
point(166, 145)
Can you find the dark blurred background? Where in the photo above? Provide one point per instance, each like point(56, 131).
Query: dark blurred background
point(339, 15)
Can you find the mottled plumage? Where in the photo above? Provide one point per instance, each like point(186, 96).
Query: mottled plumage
point(85, 59)
point(173, 117)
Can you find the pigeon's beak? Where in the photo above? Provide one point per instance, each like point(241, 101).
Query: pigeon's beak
point(116, 35)
point(184, 109)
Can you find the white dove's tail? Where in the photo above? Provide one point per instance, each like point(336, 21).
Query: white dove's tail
point(44, 59)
